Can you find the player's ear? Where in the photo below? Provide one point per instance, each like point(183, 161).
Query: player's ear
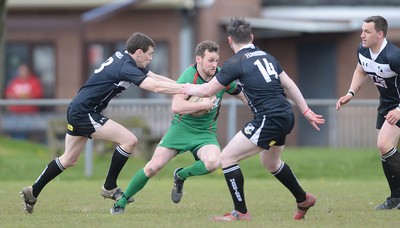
point(198, 58)
point(230, 41)
point(138, 51)
point(381, 35)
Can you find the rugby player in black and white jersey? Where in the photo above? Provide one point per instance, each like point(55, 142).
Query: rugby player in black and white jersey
point(86, 121)
point(380, 60)
point(263, 82)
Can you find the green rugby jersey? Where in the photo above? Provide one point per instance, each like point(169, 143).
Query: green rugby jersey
point(207, 121)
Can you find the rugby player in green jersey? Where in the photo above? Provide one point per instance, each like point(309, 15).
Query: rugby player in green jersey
point(188, 133)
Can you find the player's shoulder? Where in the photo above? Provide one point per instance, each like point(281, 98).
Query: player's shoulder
point(392, 50)
point(187, 75)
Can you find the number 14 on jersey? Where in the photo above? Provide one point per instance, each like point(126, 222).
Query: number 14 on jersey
point(267, 69)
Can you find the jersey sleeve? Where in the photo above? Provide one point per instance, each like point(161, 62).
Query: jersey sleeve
point(230, 71)
point(233, 89)
point(131, 73)
point(393, 56)
point(187, 76)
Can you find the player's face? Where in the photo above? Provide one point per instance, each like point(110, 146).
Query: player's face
point(209, 63)
point(144, 58)
point(369, 36)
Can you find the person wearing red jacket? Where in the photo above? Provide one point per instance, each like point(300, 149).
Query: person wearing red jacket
point(25, 85)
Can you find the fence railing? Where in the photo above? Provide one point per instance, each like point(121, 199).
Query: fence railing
point(353, 126)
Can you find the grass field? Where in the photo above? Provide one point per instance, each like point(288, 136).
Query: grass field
point(348, 184)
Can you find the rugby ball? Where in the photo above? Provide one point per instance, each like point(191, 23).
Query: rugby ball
point(197, 99)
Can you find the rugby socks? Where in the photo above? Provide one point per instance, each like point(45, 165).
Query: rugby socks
point(138, 181)
point(118, 161)
point(286, 176)
point(234, 179)
point(197, 169)
point(53, 169)
point(391, 169)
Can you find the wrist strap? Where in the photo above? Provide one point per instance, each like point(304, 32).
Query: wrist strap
point(351, 92)
point(306, 111)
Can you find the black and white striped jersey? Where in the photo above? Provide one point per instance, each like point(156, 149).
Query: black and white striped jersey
point(257, 73)
point(110, 79)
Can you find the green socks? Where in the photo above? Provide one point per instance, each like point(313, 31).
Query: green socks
point(197, 169)
point(138, 181)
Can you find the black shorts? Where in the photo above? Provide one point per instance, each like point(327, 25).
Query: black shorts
point(268, 131)
point(84, 124)
point(380, 119)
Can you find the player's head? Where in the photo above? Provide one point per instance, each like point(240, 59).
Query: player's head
point(139, 41)
point(239, 31)
point(207, 57)
point(141, 47)
point(381, 24)
point(374, 30)
point(204, 46)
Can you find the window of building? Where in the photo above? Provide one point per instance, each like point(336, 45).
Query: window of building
point(98, 52)
point(39, 57)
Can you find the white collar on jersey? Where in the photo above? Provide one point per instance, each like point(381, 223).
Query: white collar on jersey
point(373, 56)
point(250, 45)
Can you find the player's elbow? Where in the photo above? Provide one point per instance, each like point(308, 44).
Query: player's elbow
point(157, 89)
point(175, 109)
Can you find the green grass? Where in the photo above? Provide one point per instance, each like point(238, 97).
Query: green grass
point(348, 184)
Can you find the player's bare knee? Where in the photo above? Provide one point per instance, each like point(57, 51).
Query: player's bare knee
point(212, 165)
point(151, 171)
point(383, 148)
point(272, 166)
point(129, 144)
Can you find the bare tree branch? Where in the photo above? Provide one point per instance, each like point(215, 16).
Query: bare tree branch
point(3, 12)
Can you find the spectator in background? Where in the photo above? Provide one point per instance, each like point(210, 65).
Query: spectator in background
point(25, 85)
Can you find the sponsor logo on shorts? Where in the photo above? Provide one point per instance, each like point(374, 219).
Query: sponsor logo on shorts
point(101, 121)
point(249, 129)
point(70, 127)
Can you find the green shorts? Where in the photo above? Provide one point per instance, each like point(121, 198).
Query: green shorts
point(184, 138)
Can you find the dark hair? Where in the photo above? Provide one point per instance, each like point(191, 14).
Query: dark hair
point(139, 41)
point(239, 30)
point(208, 45)
point(380, 23)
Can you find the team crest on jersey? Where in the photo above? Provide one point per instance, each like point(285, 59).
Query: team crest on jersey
point(248, 129)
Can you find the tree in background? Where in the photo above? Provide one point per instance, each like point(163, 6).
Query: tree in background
point(3, 12)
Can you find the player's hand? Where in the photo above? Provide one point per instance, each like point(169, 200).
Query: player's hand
point(208, 103)
point(343, 100)
point(314, 119)
point(393, 116)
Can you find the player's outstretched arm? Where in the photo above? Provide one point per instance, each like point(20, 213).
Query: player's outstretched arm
point(161, 87)
point(294, 94)
point(204, 90)
point(158, 77)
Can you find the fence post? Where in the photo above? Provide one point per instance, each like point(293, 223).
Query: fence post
point(231, 131)
point(89, 158)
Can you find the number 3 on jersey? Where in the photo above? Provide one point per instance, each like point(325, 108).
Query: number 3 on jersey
point(267, 71)
point(106, 63)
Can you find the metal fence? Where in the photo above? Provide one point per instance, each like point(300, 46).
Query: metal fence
point(353, 126)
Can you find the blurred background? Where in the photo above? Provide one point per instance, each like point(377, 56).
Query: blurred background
point(61, 42)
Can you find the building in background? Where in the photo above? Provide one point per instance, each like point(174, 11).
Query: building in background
point(315, 40)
